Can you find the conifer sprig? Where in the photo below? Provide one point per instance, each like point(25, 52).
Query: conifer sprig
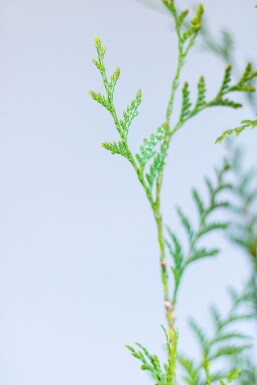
point(225, 342)
point(181, 259)
point(238, 130)
point(162, 374)
point(224, 50)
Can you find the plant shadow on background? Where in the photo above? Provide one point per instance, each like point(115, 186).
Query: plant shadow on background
point(226, 354)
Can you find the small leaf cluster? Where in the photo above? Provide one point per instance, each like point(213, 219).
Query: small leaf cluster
point(225, 342)
point(187, 30)
point(107, 101)
point(195, 251)
point(223, 49)
point(148, 151)
point(241, 86)
point(245, 124)
point(194, 374)
point(162, 374)
point(190, 109)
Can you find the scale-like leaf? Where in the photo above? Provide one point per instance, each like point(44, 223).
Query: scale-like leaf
point(157, 165)
point(201, 95)
point(147, 149)
point(130, 113)
point(202, 253)
point(186, 103)
point(238, 130)
point(116, 148)
point(186, 223)
point(199, 202)
point(99, 98)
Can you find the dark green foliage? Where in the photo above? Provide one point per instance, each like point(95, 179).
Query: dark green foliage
point(221, 99)
point(201, 94)
point(224, 50)
point(226, 81)
point(241, 86)
point(186, 104)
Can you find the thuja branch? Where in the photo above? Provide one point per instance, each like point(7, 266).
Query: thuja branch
point(226, 341)
point(150, 161)
point(181, 259)
point(224, 50)
point(243, 209)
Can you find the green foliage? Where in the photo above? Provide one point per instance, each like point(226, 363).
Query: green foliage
point(147, 149)
point(231, 376)
point(162, 374)
point(223, 48)
point(241, 86)
point(130, 113)
point(249, 373)
point(243, 207)
point(225, 342)
point(186, 104)
point(243, 233)
point(201, 94)
point(192, 373)
point(116, 148)
point(157, 165)
point(237, 131)
point(195, 250)
point(149, 163)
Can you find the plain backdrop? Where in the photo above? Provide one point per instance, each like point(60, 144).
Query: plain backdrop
point(79, 271)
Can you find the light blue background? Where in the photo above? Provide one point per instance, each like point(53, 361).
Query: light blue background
point(79, 271)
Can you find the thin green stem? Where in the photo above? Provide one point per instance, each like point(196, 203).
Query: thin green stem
point(175, 82)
